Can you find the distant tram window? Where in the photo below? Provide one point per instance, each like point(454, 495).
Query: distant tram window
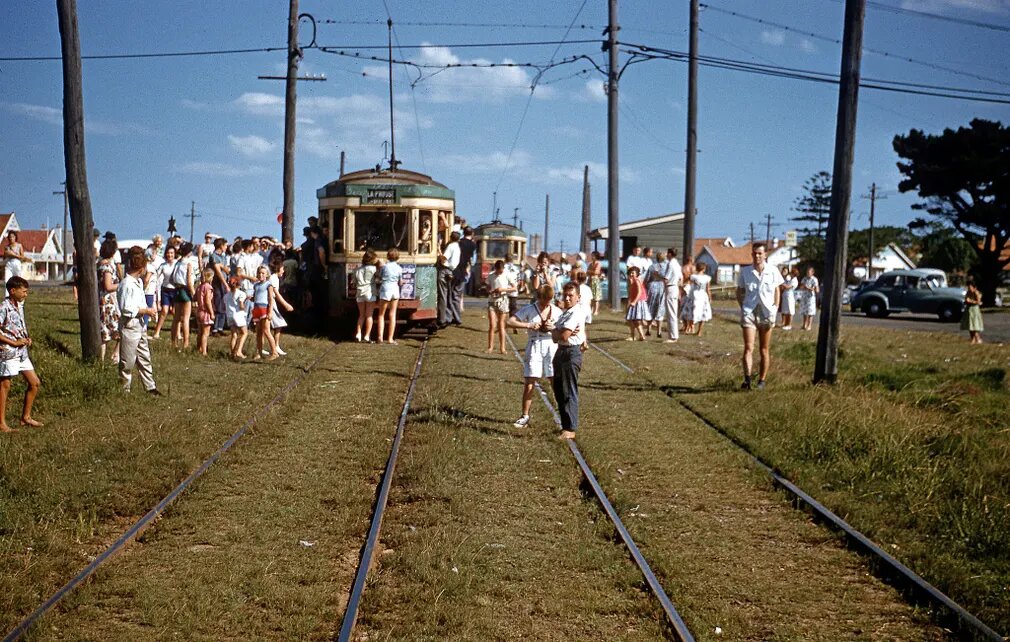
point(497, 249)
point(337, 229)
point(425, 231)
point(380, 230)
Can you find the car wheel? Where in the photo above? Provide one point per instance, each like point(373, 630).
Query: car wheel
point(874, 308)
point(949, 313)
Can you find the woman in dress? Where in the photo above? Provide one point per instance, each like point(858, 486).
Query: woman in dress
point(701, 308)
point(809, 287)
point(14, 254)
point(499, 284)
point(972, 318)
point(638, 306)
point(108, 303)
point(787, 304)
point(656, 296)
point(687, 305)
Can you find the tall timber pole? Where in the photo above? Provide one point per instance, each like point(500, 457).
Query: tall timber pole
point(77, 180)
point(586, 215)
point(826, 366)
point(613, 216)
point(690, 169)
point(290, 96)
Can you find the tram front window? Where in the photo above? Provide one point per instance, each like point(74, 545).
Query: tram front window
point(425, 231)
point(380, 230)
point(497, 249)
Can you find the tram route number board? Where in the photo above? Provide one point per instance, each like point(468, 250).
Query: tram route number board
point(380, 195)
point(407, 283)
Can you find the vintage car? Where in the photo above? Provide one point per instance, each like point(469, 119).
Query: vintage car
point(921, 290)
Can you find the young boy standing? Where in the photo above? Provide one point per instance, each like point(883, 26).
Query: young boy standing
point(14, 342)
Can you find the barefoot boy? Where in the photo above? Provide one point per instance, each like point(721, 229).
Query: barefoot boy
point(14, 342)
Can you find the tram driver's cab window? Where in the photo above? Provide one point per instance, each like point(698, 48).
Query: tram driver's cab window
point(496, 249)
point(425, 232)
point(380, 230)
point(337, 231)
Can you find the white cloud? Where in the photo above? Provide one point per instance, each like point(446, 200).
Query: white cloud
point(260, 104)
point(54, 116)
point(941, 6)
point(251, 145)
point(593, 91)
point(488, 163)
point(219, 169)
point(775, 38)
point(574, 173)
point(807, 46)
point(568, 131)
point(193, 104)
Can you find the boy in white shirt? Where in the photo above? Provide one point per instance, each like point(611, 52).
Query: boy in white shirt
point(758, 294)
point(14, 342)
point(569, 334)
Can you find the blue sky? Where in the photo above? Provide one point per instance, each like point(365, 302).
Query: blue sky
point(164, 132)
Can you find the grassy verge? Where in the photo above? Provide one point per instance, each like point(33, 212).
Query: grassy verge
point(104, 458)
point(910, 447)
point(487, 536)
point(267, 544)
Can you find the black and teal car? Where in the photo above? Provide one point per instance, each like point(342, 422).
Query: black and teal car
point(921, 290)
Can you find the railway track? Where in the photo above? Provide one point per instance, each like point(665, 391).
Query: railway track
point(673, 617)
point(888, 568)
point(141, 524)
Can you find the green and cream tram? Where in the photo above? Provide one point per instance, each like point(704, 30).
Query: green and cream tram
point(378, 211)
point(495, 241)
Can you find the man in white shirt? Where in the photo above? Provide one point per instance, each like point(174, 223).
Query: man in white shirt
point(538, 318)
point(568, 359)
point(134, 351)
point(635, 259)
point(673, 274)
point(205, 249)
point(757, 292)
point(448, 305)
point(152, 288)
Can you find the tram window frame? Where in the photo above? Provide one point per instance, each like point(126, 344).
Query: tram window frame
point(403, 245)
point(504, 245)
point(338, 230)
point(432, 216)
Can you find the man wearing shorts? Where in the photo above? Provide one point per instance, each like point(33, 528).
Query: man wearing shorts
point(757, 292)
point(14, 361)
point(538, 318)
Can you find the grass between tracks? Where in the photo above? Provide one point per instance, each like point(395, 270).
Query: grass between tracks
point(105, 458)
point(911, 446)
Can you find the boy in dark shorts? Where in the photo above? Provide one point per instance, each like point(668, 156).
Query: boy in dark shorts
point(14, 342)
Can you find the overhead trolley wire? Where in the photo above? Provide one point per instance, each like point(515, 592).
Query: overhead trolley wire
point(974, 95)
point(934, 16)
point(162, 54)
point(879, 52)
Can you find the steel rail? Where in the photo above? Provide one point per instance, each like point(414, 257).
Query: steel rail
point(354, 601)
point(923, 590)
point(144, 521)
point(679, 627)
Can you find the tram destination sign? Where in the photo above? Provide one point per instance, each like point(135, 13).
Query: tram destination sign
point(380, 195)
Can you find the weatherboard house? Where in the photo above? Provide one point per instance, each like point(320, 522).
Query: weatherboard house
point(43, 247)
point(658, 232)
point(890, 257)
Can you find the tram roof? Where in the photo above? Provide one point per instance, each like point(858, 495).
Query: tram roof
point(402, 182)
point(511, 230)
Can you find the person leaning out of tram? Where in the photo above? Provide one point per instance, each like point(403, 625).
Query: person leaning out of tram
point(500, 286)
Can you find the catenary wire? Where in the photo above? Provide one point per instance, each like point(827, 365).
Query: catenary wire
point(879, 52)
point(933, 16)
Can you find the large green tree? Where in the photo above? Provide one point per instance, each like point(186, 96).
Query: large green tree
point(964, 178)
point(943, 248)
point(814, 206)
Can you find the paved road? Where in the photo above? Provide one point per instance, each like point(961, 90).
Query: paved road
point(997, 324)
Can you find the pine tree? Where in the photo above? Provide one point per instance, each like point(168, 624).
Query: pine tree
point(815, 205)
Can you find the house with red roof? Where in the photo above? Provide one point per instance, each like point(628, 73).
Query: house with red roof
point(43, 247)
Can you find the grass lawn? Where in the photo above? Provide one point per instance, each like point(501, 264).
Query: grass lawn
point(911, 447)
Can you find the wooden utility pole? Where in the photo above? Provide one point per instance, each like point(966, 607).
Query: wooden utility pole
point(290, 95)
point(341, 162)
point(768, 231)
point(63, 232)
point(192, 219)
point(77, 181)
point(873, 202)
point(613, 216)
point(826, 367)
point(690, 170)
point(547, 221)
point(586, 216)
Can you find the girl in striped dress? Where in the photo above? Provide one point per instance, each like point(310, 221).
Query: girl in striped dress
point(638, 306)
point(687, 300)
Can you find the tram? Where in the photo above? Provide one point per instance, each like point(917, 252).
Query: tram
point(380, 209)
point(495, 241)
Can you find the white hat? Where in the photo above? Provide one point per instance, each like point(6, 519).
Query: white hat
point(582, 255)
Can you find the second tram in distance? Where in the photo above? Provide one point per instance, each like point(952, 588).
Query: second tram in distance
point(495, 241)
